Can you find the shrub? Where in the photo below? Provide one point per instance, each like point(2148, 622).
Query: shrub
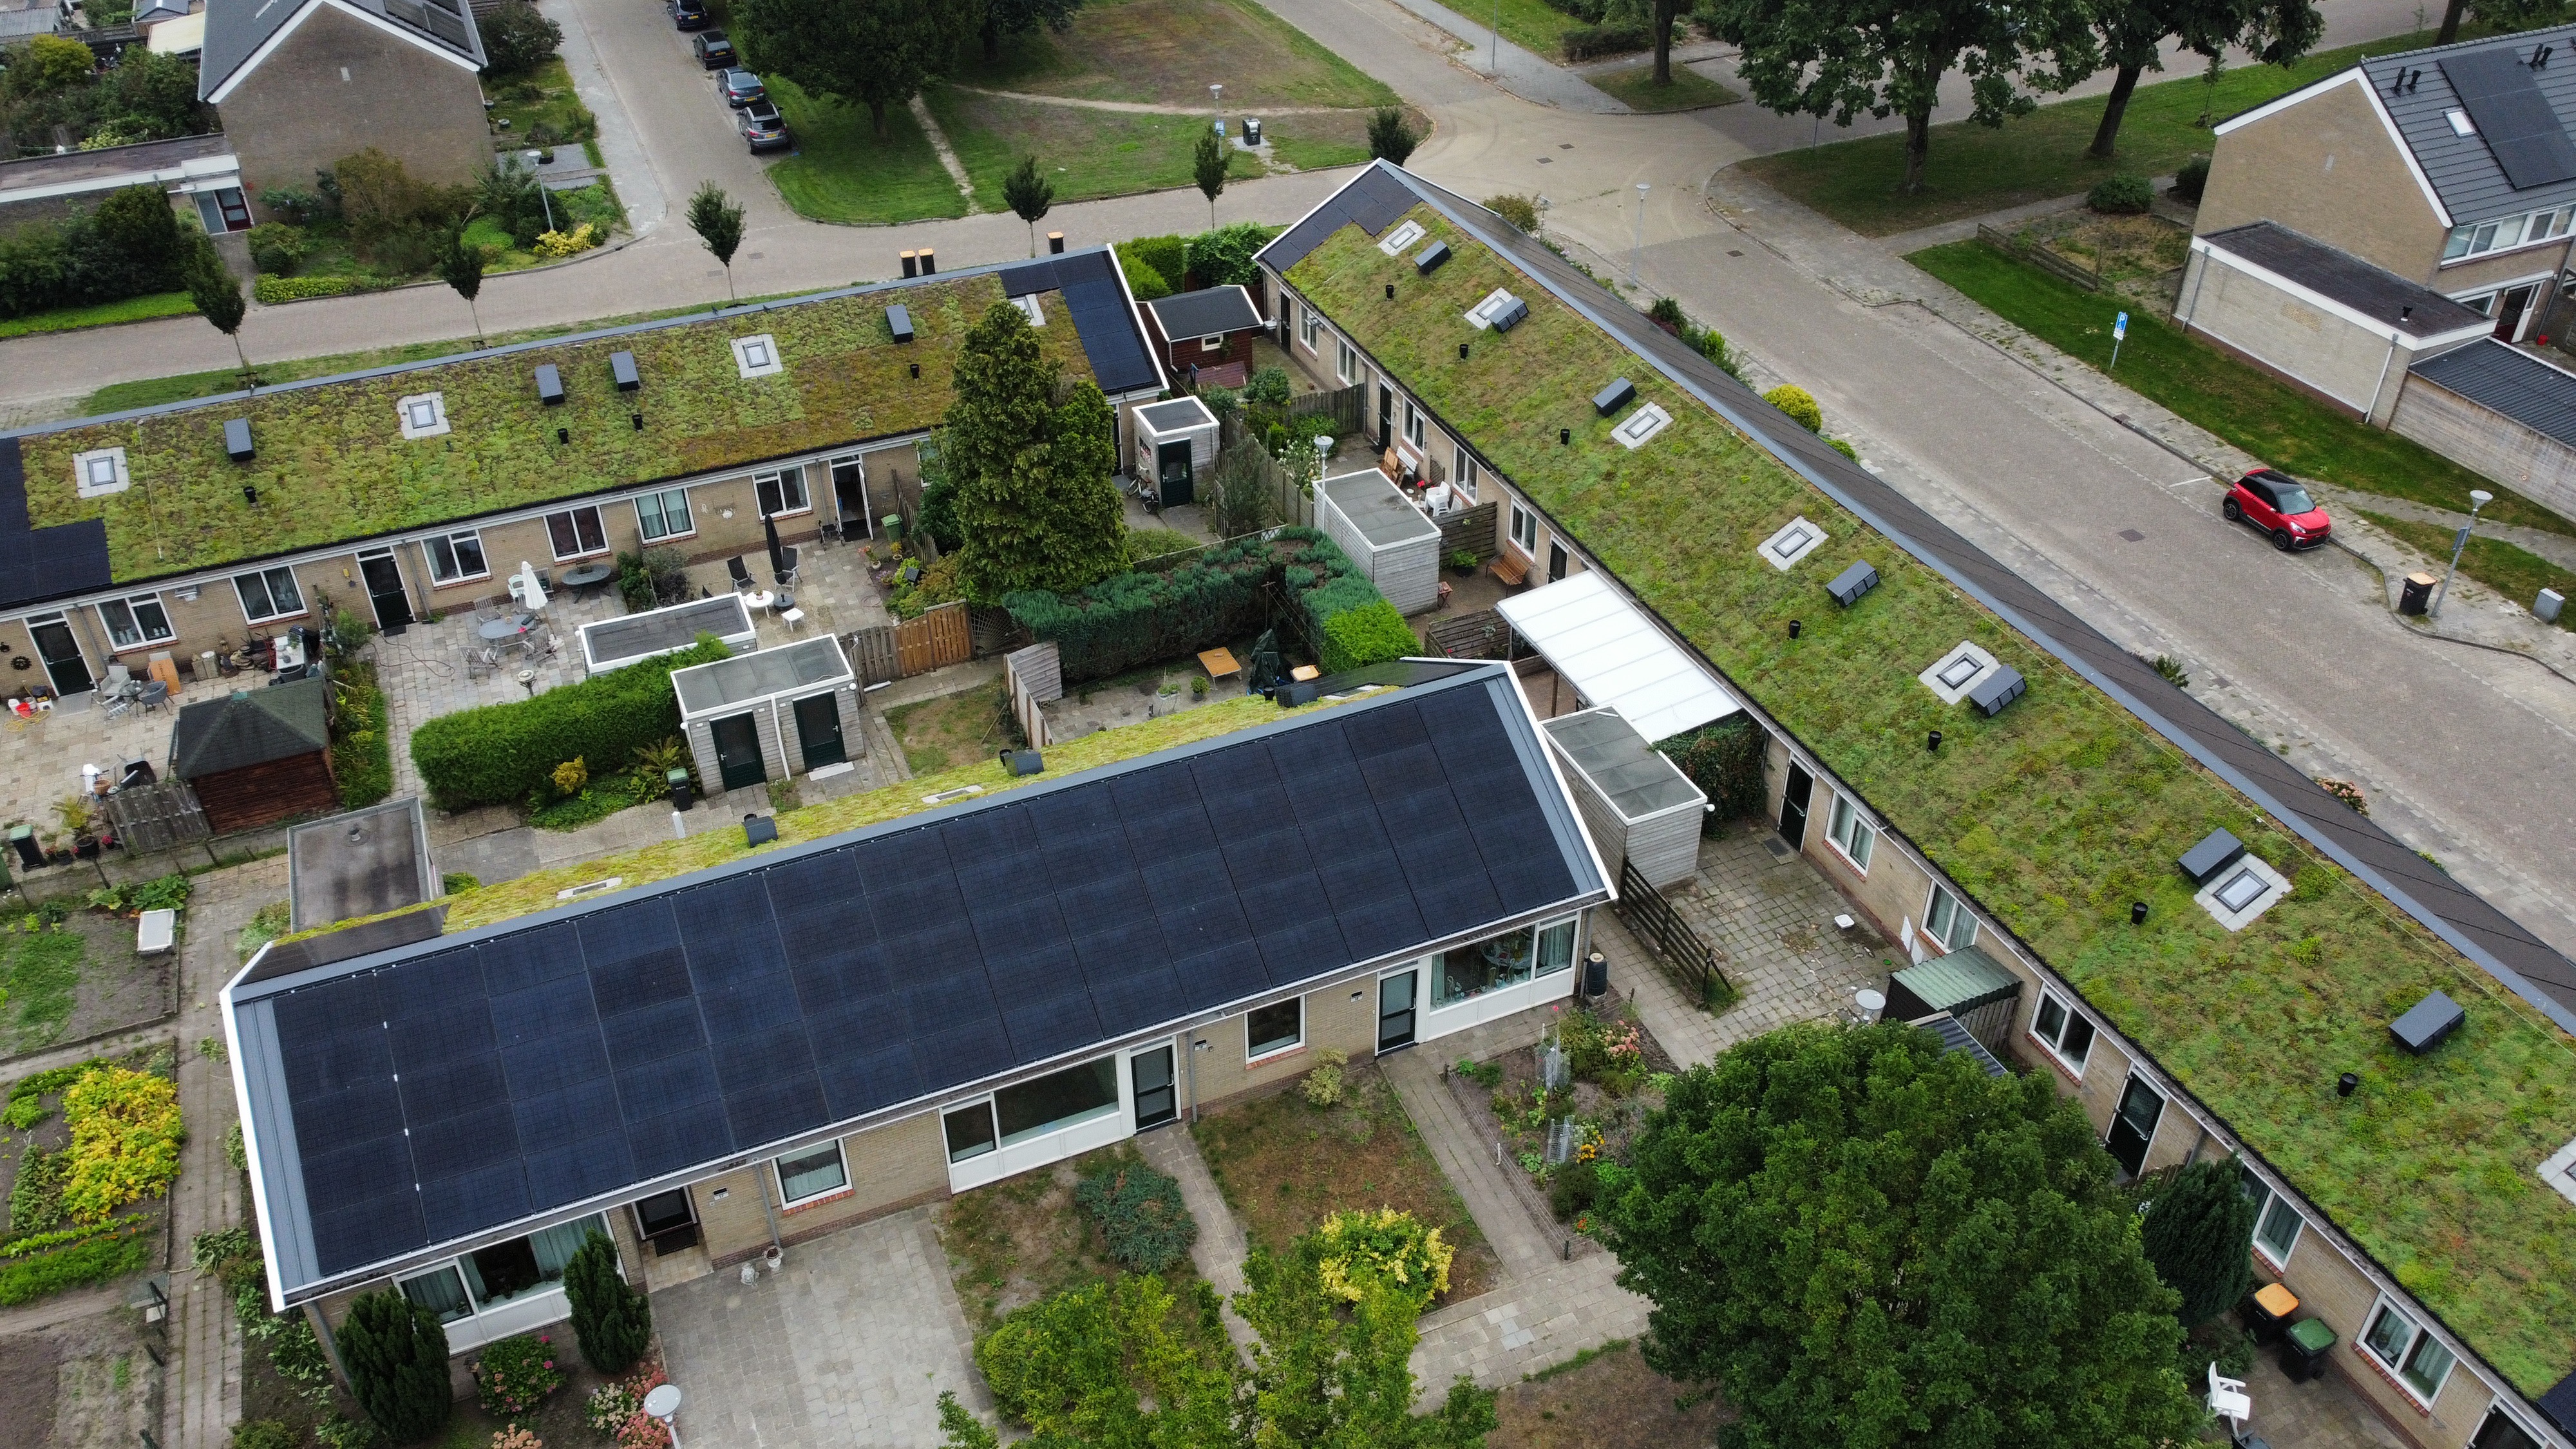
point(1845, 448)
point(1583, 42)
point(2346, 791)
point(1390, 136)
point(612, 1322)
point(515, 1437)
point(362, 751)
point(570, 776)
point(1055, 1355)
point(1370, 634)
point(1799, 404)
point(265, 1434)
point(295, 204)
point(141, 244)
point(1725, 761)
point(514, 1375)
point(1572, 1189)
point(2198, 1232)
point(273, 290)
point(1520, 211)
point(1389, 1248)
point(1269, 388)
point(2121, 196)
point(381, 199)
point(1323, 1085)
point(277, 247)
point(395, 1352)
point(339, 1431)
point(266, 924)
point(516, 39)
point(1148, 543)
point(560, 244)
point(503, 753)
point(1141, 1215)
point(1165, 256)
point(2190, 180)
point(125, 1141)
point(1223, 257)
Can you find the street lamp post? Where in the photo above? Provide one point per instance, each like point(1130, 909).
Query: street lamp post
point(1637, 245)
point(1216, 103)
point(2478, 498)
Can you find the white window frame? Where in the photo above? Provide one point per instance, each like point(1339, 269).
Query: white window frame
point(298, 612)
point(1524, 530)
point(1463, 478)
point(2068, 1016)
point(1948, 937)
point(778, 479)
point(575, 513)
point(2267, 1200)
point(429, 549)
point(1213, 342)
point(86, 468)
point(1267, 1052)
point(2419, 1334)
point(1413, 423)
point(1030, 309)
point(406, 411)
point(1346, 361)
point(778, 1172)
point(2530, 229)
point(757, 356)
point(130, 603)
point(1310, 326)
point(662, 501)
point(1850, 833)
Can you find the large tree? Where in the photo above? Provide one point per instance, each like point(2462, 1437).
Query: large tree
point(2198, 1233)
point(2133, 33)
point(1867, 1241)
point(1022, 17)
point(1031, 457)
point(1887, 57)
point(872, 53)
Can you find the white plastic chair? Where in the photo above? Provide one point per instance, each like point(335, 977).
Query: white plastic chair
point(2228, 1400)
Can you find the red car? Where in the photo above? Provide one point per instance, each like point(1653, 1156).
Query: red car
point(2279, 505)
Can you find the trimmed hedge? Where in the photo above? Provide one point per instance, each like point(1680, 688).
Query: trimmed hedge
point(272, 290)
point(362, 755)
point(1583, 42)
point(504, 754)
point(1133, 619)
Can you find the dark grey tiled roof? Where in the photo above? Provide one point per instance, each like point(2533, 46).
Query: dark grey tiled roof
point(1205, 313)
point(236, 29)
point(2463, 169)
point(2372, 290)
point(2511, 381)
point(250, 727)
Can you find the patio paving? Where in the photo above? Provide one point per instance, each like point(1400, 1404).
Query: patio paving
point(41, 759)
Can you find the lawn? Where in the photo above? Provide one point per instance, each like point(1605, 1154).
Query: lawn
point(1319, 140)
point(541, 107)
point(1533, 25)
point(2275, 422)
point(1690, 91)
point(44, 983)
point(1021, 1239)
point(1976, 169)
point(2517, 573)
point(101, 314)
point(840, 171)
point(1285, 1166)
point(941, 734)
point(1165, 52)
point(1087, 153)
point(1604, 1398)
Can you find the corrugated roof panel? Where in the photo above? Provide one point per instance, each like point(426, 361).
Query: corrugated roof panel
point(2511, 381)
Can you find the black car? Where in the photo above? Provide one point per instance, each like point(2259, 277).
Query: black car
point(761, 127)
point(691, 14)
point(740, 88)
point(714, 51)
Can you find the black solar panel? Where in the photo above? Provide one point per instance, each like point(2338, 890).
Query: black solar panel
point(1228, 973)
point(634, 955)
point(2503, 99)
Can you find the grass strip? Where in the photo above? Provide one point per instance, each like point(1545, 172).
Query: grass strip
point(2517, 573)
point(2272, 420)
point(44, 974)
point(1689, 91)
point(362, 759)
point(840, 170)
point(101, 314)
point(1087, 153)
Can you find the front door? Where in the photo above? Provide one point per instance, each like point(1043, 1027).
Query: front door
point(385, 589)
point(2134, 1126)
point(62, 655)
point(667, 1220)
point(2510, 310)
point(738, 752)
point(1385, 417)
point(1150, 1072)
point(1793, 806)
point(1395, 1009)
point(818, 726)
point(1555, 560)
point(1172, 472)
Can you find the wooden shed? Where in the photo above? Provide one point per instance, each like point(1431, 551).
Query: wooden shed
point(1394, 543)
point(257, 756)
point(1637, 803)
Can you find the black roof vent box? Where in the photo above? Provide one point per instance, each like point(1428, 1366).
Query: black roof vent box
point(2426, 1022)
point(1997, 689)
point(1853, 582)
point(237, 440)
point(2216, 852)
point(621, 365)
point(549, 384)
point(899, 322)
point(1512, 315)
point(1430, 258)
point(1617, 395)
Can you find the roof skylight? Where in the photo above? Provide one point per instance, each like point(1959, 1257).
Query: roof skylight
point(1955, 673)
point(422, 415)
point(1400, 238)
point(757, 356)
point(2461, 125)
point(1640, 425)
point(1482, 315)
point(2242, 891)
point(1796, 539)
point(100, 472)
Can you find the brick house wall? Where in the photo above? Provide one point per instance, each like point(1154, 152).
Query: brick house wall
point(338, 85)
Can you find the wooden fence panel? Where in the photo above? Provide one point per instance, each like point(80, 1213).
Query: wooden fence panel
point(1034, 675)
point(1643, 910)
point(157, 817)
point(941, 636)
point(1470, 530)
point(872, 654)
point(1342, 407)
point(2047, 261)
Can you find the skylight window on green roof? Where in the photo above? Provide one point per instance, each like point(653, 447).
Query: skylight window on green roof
point(757, 356)
point(1030, 309)
point(422, 415)
point(1482, 315)
point(1400, 238)
point(101, 472)
point(1795, 540)
point(1640, 425)
point(2242, 891)
point(1955, 673)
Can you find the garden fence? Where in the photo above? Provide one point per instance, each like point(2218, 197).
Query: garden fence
point(1034, 675)
point(161, 816)
point(943, 635)
point(1289, 501)
point(1342, 407)
point(1470, 530)
point(2089, 278)
point(1643, 910)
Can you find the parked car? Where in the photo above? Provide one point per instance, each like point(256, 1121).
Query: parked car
point(741, 88)
point(2279, 505)
point(762, 128)
point(691, 14)
point(715, 52)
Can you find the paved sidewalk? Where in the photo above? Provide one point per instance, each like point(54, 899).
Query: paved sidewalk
point(1466, 1155)
point(1524, 1326)
point(1532, 77)
point(1221, 1247)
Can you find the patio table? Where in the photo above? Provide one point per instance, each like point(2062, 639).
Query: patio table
point(497, 630)
point(588, 576)
point(759, 599)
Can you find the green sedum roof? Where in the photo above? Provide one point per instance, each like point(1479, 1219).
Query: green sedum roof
point(2054, 815)
point(333, 466)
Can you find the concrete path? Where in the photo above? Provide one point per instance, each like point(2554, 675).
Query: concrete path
point(1221, 1247)
point(1466, 1155)
point(1526, 74)
point(630, 170)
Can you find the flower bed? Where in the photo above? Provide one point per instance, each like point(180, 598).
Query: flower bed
point(1616, 1065)
point(514, 1375)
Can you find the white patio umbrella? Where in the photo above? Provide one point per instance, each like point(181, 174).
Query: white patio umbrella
point(525, 588)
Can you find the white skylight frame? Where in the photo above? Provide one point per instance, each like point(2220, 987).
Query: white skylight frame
point(99, 472)
point(1951, 667)
point(757, 356)
point(1481, 316)
point(2560, 1171)
point(1030, 309)
point(422, 415)
point(2461, 125)
point(1641, 425)
point(1796, 539)
point(2212, 896)
point(1405, 235)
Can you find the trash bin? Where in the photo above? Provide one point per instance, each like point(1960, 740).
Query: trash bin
point(1252, 130)
point(2268, 1312)
point(678, 780)
point(1596, 974)
point(2304, 1348)
point(2416, 595)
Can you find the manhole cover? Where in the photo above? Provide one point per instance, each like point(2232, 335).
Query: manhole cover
point(2132, 535)
point(1547, 160)
point(1565, 145)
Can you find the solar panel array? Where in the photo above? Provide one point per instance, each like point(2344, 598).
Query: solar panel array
point(2502, 96)
point(43, 563)
point(1102, 317)
point(1373, 198)
point(474, 1084)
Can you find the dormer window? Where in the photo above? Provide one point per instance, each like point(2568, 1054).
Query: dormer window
point(422, 415)
point(757, 356)
point(98, 473)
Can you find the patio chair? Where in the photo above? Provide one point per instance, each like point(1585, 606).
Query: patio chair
point(478, 662)
point(2228, 1399)
point(546, 582)
point(120, 679)
point(740, 573)
point(787, 576)
point(156, 695)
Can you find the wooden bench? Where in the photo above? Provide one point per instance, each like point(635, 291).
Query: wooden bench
point(1510, 570)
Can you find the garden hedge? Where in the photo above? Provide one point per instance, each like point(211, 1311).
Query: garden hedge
point(1138, 618)
point(502, 754)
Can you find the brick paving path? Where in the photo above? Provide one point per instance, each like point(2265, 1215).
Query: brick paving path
point(1219, 1252)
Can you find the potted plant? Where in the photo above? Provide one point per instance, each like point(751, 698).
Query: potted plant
point(74, 813)
point(1462, 562)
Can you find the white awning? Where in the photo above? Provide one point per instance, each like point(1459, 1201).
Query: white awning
point(1613, 654)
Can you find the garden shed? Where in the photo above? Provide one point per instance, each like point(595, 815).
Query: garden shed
point(612, 643)
point(1967, 984)
point(771, 715)
point(1395, 545)
point(1637, 803)
point(257, 756)
point(361, 863)
point(1175, 443)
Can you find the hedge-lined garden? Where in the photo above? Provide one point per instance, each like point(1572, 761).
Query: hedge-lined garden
point(1132, 619)
point(507, 754)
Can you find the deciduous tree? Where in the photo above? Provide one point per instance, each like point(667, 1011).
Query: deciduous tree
point(460, 265)
point(717, 220)
point(1021, 17)
point(49, 63)
point(217, 296)
point(1035, 506)
point(2198, 1233)
point(395, 1352)
point(1887, 57)
point(1866, 1240)
point(872, 53)
point(517, 38)
point(2133, 32)
point(1209, 164)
